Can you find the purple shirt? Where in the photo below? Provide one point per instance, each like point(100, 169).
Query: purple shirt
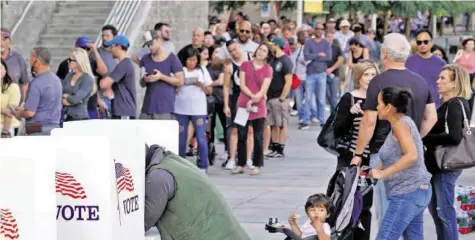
point(311, 52)
point(44, 97)
point(429, 69)
point(160, 95)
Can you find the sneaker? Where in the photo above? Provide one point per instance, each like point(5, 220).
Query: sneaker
point(249, 164)
point(303, 126)
point(277, 155)
point(224, 156)
point(315, 120)
point(231, 164)
point(270, 154)
point(294, 113)
point(238, 170)
point(203, 170)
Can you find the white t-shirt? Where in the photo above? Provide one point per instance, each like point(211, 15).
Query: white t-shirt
point(308, 230)
point(190, 99)
point(247, 48)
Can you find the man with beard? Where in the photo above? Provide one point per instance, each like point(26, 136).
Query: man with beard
point(195, 210)
point(248, 47)
point(162, 30)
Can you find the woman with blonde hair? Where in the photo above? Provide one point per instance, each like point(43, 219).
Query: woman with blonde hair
point(78, 86)
point(453, 85)
point(347, 122)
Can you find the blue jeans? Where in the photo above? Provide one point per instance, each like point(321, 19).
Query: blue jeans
point(316, 84)
point(332, 91)
point(299, 100)
point(405, 215)
point(441, 206)
point(199, 123)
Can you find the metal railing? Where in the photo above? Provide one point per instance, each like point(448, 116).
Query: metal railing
point(121, 16)
point(18, 23)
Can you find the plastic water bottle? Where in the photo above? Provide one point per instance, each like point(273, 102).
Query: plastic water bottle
point(362, 184)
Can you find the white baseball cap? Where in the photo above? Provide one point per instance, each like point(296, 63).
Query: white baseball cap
point(345, 23)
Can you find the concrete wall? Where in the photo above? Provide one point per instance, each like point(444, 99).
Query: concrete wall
point(32, 26)
point(11, 12)
point(183, 16)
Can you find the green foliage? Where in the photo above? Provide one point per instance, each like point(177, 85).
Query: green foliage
point(221, 6)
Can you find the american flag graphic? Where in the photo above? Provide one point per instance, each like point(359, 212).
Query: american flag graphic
point(124, 178)
point(8, 226)
point(68, 186)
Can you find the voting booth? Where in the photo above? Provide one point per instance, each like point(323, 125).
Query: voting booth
point(27, 188)
point(127, 168)
point(162, 132)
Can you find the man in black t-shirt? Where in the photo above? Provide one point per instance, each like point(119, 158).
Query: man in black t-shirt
point(394, 52)
point(278, 107)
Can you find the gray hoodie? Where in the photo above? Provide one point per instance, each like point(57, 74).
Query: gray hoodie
point(160, 187)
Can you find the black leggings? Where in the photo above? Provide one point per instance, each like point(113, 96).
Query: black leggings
point(258, 126)
point(219, 110)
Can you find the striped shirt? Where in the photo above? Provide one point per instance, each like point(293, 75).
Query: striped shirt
point(355, 128)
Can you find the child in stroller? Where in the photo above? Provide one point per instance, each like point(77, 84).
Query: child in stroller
point(345, 192)
point(318, 209)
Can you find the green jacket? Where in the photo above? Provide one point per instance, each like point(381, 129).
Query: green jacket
point(198, 211)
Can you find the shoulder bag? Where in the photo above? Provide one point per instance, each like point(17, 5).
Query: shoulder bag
point(327, 140)
point(459, 156)
point(296, 81)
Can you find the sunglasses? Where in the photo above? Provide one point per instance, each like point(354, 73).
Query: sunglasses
point(245, 31)
point(421, 42)
point(71, 60)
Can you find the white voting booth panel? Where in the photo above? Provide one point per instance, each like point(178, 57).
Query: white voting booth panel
point(162, 132)
point(27, 188)
point(86, 200)
point(127, 169)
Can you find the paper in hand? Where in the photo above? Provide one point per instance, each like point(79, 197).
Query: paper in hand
point(242, 116)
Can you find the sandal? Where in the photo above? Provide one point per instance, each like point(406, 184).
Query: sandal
point(256, 171)
point(238, 170)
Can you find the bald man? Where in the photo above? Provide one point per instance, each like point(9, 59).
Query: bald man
point(197, 41)
point(244, 39)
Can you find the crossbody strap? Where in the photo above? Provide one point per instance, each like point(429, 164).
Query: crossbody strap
point(296, 59)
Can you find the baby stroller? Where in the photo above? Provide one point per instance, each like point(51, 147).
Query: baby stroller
point(346, 196)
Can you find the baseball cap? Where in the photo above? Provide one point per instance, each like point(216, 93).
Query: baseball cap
point(120, 40)
point(345, 23)
point(5, 33)
point(82, 42)
point(279, 42)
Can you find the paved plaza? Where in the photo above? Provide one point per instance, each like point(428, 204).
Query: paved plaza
point(284, 185)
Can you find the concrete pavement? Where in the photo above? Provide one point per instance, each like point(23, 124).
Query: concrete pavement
point(285, 184)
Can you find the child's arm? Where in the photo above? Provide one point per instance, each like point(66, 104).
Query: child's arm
point(293, 224)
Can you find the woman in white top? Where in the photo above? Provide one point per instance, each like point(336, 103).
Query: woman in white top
point(191, 105)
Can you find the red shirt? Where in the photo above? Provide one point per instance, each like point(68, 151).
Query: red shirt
point(287, 49)
point(254, 80)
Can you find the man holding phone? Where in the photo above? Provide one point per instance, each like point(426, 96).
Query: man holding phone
point(163, 74)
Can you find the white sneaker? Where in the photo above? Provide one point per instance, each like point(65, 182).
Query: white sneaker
point(224, 156)
point(205, 171)
point(294, 113)
point(249, 164)
point(231, 164)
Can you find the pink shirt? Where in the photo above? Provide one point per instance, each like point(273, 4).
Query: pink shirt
point(467, 62)
point(254, 80)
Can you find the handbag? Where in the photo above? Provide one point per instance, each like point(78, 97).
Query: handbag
point(296, 81)
point(459, 156)
point(327, 139)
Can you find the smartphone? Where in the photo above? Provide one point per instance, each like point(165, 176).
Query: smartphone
point(12, 108)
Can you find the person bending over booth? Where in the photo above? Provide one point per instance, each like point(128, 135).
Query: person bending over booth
point(182, 202)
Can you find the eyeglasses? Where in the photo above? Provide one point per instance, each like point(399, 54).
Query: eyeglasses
point(245, 31)
point(418, 42)
point(71, 60)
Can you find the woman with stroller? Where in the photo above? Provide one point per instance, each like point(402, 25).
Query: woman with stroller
point(402, 168)
point(347, 122)
point(454, 86)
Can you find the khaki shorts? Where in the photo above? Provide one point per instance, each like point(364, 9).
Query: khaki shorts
point(277, 112)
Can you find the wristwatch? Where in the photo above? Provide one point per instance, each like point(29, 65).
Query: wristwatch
point(360, 155)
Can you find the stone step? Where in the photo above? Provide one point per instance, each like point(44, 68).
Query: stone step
point(84, 3)
point(70, 25)
point(84, 13)
point(90, 21)
point(67, 40)
point(61, 30)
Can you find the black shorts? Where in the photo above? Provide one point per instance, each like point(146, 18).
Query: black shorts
point(233, 108)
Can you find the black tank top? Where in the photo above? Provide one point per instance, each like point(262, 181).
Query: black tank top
point(235, 81)
point(355, 60)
